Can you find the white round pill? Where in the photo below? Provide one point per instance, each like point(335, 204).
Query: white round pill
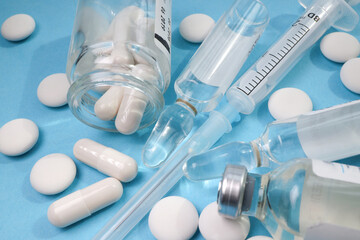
point(194, 28)
point(18, 27)
point(340, 47)
point(289, 102)
point(350, 73)
point(173, 218)
point(18, 136)
point(260, 238)
point(52, 91)
point(213, 226)
point(52, 174)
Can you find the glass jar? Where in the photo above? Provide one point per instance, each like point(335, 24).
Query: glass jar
point(119, 63)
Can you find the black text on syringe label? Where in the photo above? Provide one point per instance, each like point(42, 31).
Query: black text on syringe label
point(271, 62)
point(163, 26)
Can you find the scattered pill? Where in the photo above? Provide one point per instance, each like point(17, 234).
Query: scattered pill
point(82, 203)
point(18, 27)
point(350, 73)
point(52, 90)
point(173, 218)
point(52, 174)
point(289, 102)
point(194, 28)
point(213, 226)
point(107, 106)
point(18, 136)
point(106, 160)
point(340, 47)
point(131, 111)
point(260, 238)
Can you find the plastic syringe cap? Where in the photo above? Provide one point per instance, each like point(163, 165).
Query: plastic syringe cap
point(231, 191)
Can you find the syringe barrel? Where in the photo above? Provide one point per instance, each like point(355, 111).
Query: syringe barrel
point(220, 57)
point(269, 70)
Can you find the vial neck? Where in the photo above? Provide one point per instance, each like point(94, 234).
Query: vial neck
point(255, 195)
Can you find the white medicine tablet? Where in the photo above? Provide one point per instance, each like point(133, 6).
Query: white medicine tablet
point(194, 28)
point(18, 27)
point(260, 238)
point(213, 226)
point(173, 218)
point(350, 73)
point(53, 173)
point(340, 47)
point(52, 91)
point(289, 102)
point(18, 136)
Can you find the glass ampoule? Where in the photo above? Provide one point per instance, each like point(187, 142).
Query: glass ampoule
point(330, 134)
point(207, 76)
point(294, 197)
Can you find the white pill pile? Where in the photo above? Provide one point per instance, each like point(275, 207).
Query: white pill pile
point(213, 226)
point(52, 174)
point(173, 218)
point(106, 160)
point(340, 47)
point(18, 27)
point(194, 28)
point(52, 91)
point(350, 75)
point(289, 102)
point(260, 238)
point(18, 136)
point(82, 203)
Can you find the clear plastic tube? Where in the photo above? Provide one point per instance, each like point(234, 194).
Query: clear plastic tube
point(209, 73)
point(330, 134)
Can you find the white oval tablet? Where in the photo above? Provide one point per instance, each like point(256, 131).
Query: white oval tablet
point(289, 102)
point(18, 27)
point(213, 226)
point(52, 90)
point(173, 218)
point(18, 136)
point(53, 173)
point(340, 47)
point(260, 238)
point(350, 73)
point(194, 28)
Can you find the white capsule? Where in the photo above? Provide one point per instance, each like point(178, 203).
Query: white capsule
point(145, 73)
point(106, 160)
point(107, 106)
point(82, 203)
point(131, 111)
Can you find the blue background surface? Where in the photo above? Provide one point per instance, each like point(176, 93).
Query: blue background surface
point(24, 64)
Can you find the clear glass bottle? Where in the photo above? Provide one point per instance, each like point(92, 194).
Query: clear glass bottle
point(119, 63)
point(207, 76)
point(294, 197)
point(330, 134)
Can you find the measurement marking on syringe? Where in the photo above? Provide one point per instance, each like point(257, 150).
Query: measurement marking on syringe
point(275, 60)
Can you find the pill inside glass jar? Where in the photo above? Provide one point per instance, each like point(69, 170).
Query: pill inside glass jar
point(119, 63)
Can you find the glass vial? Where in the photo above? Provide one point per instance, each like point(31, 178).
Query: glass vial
point(294, 197)
point(119, 63)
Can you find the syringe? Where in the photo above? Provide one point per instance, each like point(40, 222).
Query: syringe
point(330, 12)
point(329, 135)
